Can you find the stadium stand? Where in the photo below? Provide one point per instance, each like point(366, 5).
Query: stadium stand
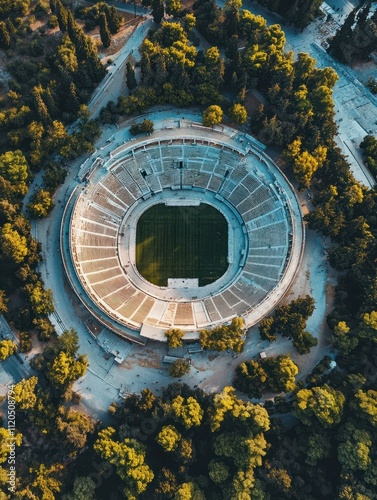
point(100, 238)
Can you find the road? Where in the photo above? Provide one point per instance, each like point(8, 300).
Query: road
point(109, 88)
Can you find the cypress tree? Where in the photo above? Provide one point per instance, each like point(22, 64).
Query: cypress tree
point(130, 77)
point(157, 11)
point(113, 20)
point(104, 31)
point(62, 15)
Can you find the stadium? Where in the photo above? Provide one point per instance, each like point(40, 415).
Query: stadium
point(186, 228)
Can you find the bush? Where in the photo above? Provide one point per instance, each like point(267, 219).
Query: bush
point(179, 368)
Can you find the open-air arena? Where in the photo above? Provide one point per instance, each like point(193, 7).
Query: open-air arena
point(239, 260)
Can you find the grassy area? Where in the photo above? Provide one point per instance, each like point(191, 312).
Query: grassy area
point(182, 242)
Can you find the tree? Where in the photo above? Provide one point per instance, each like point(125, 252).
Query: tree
point(224, 337)
point(7, 348)
point(114, 20)
point(24, 393)
point(366, 405)
point(354, 451)
point(226, 406)
point(12, 244)
point(267, 329)
point(4, 36)
point(174, 337)
point(168, 438)
point(318, 448)
point(212, 116)
point(130, 76)
point(189, 22)
point(189, 491)
point(157, 10)
point(40, 299)
point(128, 456)
point(187, 411)
point(179, 368)
point(173, 7)
point(218, 471)
point(44, 483)
point(238, 114)
point(74, 426)
point(14, 168)
point(41, 204)
point(323, 404)
point(64, 369)
point(83, 489)
point(104, 31)
point(44, 328)
point(250, 378)
point(3, 302)
point(281, 373)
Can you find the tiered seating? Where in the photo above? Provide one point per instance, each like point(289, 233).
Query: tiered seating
point(143, 310)
point(166, 165)
point(125, 178)
point(119, 296)
point(101, 276)
point(94, 265)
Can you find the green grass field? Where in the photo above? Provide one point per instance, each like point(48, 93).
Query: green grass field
point(182, 242)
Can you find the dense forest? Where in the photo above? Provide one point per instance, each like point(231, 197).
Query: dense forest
point(186, 444)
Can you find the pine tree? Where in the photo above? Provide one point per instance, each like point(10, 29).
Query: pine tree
point(104, 31)
point(130, 77)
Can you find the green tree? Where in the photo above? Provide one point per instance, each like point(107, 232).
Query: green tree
point(83, 489)
point(12, 244)
point(224, 337)
point(267, 328)
point(250, 378)
point(173, 7)
point(41, 204)
point(25, 393)
point(318, 448)
point(4, 36)
point(179, 368)
point(14, 168)
point(3, 302)
point(130, 76)
point(64, 369)
point(281, 373)
point(366, 405)
point(168, 438)
point(157, 10)
point(40, 299)
point(189, 491)
point(187, 411)
point(104, 31)
point(323, 404)
point(238, 114)
point(212, 115)
point(7, 348)
point(218, 471)
point(354, 451)
point(74, 427)
point(128, 456)
point(189, 22)
point(174, 337)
